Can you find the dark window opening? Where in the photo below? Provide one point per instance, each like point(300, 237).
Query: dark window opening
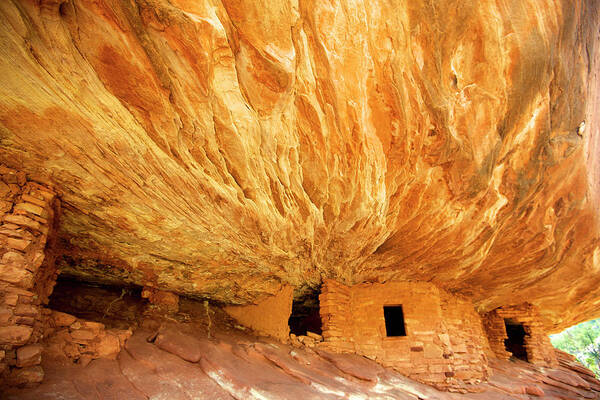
point(394, 321)
point(305, 314)
point(515, 343)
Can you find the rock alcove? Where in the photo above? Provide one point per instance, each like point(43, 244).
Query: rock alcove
point(256, 166)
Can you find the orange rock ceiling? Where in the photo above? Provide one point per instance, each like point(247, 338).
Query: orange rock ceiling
point(223, 148)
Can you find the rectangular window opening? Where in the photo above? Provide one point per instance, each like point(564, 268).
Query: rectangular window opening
point(394, 321)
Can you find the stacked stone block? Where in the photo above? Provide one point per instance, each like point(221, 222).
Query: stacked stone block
point(334, 308)
point(496, 333)
point(467, 339)
point(27, 274)
point(537, 343)
point(82, 341)
point(353, 321)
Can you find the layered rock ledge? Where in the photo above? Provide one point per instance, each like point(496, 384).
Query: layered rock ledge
point(178, 361)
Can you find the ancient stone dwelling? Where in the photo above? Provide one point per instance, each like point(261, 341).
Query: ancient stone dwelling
point(27, 271)
point(517, 331)
point(428, 334)
point(30, 215)
point(416, 328)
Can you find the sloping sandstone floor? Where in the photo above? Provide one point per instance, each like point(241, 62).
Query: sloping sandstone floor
point(230, 363)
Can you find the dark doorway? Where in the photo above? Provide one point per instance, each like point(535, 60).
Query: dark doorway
point(115, 306)
point(515, 343)
point(305, 313)
point(394, 321)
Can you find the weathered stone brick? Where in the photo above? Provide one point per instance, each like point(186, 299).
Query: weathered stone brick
point(29, 321)
point(13, 258)
point(22, 220)
point(5, 315)
point(30, 355)
point(18, 244)
point(11, 299)
point(15, 335)
point(5, 206)
point(92, 326)
point(13, 274)
point(36, 261)
point(62, 319)
point(10, 177)
point(42, 191)
point(4, 189)
point(21, 178)
point(31, 208)
point(21, 376)
point(83, 336)
point(34, 200)
point(108, 347)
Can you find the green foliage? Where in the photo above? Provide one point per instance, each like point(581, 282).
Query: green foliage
point(583, 341)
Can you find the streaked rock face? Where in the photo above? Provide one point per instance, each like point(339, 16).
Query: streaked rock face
point(223, 148)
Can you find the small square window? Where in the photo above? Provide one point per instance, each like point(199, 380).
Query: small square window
point(394, 321)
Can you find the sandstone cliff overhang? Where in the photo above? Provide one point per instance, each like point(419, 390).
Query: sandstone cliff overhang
point(419, 330)
point(223, 150)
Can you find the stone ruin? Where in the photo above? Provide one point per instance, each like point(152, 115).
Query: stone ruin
point(27, 272)
point(422, 331)
point(29, 216)
point(440, 339)
point(517, 331)
point(416, 328)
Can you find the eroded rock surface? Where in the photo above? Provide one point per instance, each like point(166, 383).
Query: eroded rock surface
point(222, 149)
point(237, 366)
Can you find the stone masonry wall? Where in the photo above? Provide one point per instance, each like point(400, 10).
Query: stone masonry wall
point(467, 338)
point(80, 340)
point(537, 343)
point(334, 308)
point(27, 273)
point(438, 347)
point(269, 317)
